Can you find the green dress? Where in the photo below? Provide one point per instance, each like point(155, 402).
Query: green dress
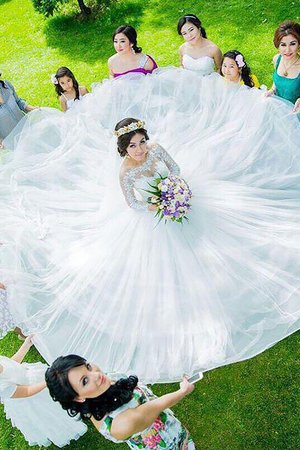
point(287, 88)
point(165, 433)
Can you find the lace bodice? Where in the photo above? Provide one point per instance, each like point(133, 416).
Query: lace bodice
point(204, 65)
point(135, 180)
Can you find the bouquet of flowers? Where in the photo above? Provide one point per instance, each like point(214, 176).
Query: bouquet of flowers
point(172, 196)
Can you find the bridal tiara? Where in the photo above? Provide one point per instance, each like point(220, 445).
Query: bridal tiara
point(128, 128)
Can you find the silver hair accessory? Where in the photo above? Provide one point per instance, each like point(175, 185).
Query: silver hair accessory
point(128, 128)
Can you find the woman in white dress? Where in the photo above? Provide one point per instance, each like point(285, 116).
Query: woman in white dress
point(197, 53)
point(28, 404)
point(93, 272)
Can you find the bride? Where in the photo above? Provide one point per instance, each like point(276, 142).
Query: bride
point(95, 275)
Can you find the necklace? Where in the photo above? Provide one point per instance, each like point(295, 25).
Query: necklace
point(286, 69)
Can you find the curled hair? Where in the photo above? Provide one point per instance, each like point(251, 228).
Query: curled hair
point(286, 28)
point(124, 140)
point(131, 34)
point(61, 390)
point(245, 70)
point(191, 18)
point(65, 72)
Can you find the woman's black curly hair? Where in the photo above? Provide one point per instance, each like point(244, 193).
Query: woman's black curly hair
point(61, 390)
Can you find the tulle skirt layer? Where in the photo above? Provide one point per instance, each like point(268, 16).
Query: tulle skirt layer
point(96, 278)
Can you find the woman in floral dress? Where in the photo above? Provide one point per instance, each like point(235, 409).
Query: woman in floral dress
point(122, 410)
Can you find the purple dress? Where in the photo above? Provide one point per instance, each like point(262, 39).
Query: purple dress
point(141, 68)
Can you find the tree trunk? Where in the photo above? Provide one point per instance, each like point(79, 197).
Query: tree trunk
point(83, 8)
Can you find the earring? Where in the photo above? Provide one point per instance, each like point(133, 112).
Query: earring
point(132, 49)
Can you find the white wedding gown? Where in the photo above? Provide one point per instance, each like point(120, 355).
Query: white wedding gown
point(96, 277)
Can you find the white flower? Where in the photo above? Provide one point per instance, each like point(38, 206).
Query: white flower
point(54, 80)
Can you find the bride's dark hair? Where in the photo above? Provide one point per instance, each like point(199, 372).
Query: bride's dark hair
point(131, 34)
point(61, 390)
point(124, 140)
point(191, 18)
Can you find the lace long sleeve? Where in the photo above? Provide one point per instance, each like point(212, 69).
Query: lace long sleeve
point(168, 160)
point(127, 184)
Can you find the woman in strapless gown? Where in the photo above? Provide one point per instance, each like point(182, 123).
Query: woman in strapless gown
point(197, 53)
point(129, 58)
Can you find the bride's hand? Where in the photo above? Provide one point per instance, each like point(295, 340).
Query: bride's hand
point(152, 207)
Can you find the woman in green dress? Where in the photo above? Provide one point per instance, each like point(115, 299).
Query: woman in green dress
point(121, 409)
point(286, 76)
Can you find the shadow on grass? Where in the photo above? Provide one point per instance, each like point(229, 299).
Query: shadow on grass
point(91, 40)
point(2, 2)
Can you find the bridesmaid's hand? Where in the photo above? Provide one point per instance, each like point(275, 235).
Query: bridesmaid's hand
point(28, 341)
point(269, 93)
point(186, 387)
point(296, 108)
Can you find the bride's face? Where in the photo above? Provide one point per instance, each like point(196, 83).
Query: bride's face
point(230, 70)
point(137, 148)
point(88, 381)
point(122, 44)
point(190, 33)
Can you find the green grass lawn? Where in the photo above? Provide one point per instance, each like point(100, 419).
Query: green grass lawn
point(252, 405)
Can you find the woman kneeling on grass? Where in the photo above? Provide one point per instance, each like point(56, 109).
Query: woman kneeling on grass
point(122, 410)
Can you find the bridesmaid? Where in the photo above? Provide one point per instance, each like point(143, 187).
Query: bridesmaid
point(129, 57)
point(286, 76)
point(197, 49)
point(122, 410)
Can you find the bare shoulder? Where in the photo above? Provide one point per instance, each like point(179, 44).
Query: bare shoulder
point(275, 59)
point(125, 424)
point(112, 59)
point(83, 90)
point(182, 48)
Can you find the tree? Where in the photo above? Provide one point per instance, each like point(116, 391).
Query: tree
point(47, 7)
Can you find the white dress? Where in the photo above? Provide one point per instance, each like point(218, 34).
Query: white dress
point(97, 277)
point(203, 66)
point(39, 418)
point(7, 322)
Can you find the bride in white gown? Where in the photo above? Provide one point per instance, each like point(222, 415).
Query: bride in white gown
point(95, 277)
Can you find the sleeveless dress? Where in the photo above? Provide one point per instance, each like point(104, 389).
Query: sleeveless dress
point(287, 88)
point(166, 432)
point(141, 67)
point(205, 65)
point(91, 273)
point(39, 418)
point(71, 102)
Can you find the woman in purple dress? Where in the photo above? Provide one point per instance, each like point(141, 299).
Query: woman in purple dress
point(129, 57)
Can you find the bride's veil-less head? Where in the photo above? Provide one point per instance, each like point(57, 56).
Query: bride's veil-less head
point(61, 390)
point(124, 135)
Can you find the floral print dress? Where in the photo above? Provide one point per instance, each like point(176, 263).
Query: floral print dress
point(165, 433)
